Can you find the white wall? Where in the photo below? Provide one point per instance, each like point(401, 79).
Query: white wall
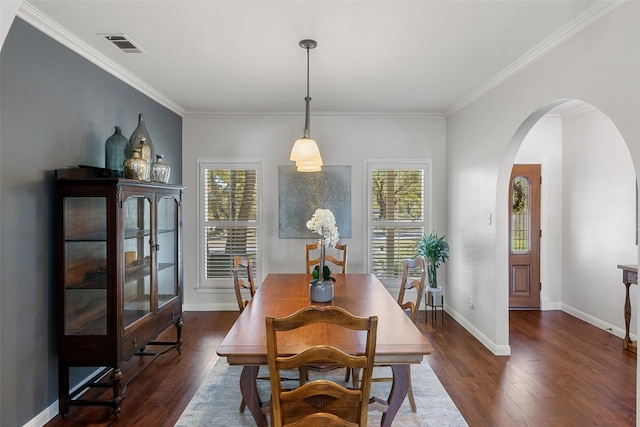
point(543, 145)
point(343, 140)
point(599, 220)
point(8, 10)
point(599, 65)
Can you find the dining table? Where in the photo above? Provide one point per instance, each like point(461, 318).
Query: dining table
point(399, 342)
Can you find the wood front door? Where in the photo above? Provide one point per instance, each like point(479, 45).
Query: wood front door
point(524, 237)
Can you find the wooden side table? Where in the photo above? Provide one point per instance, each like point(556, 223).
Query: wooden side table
point(434, 298)
point(629, 277)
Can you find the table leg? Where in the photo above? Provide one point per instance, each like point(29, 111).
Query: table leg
point(249, 390)
point(434, 315)
point(398, 392)
point(627, 344)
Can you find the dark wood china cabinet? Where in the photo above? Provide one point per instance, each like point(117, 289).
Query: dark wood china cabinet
point(119, 256)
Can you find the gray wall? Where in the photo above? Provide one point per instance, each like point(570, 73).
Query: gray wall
point(56, 110)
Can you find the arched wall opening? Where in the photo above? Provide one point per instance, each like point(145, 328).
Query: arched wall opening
point(589, 215)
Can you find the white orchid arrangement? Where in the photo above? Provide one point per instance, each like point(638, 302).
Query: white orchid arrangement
point(324, 223)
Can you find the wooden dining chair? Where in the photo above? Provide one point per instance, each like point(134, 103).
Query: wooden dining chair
point(417, 281)
point(340, 260)
point(321, 401)
point(413, 278)
point(414, 275)
point(243, 267)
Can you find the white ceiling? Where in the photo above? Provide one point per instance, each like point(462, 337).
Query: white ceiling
point(372, 56)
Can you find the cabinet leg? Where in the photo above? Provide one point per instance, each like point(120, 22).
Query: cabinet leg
point(179, 324)
point(118, 394)
point(63, 390)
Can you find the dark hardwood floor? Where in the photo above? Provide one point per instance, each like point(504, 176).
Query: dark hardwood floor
point(562, 372)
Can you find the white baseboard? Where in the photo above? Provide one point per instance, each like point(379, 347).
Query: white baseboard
point(505, 350)
point(598, 323)
point(498, 350)
point(215, 306)
point(52, 410)
point(45, 416)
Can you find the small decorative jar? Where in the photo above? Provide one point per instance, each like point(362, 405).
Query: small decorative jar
point(321, 291)
point(135, 167)
point(160, 170)
point(145, 150)
point(115, 153)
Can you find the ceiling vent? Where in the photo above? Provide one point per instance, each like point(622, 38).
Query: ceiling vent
point(122, 42)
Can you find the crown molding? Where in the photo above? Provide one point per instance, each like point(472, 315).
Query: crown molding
point(296, 114)
point(582, 21)
point(570, 109)
point(577, 110)
point(33, 16)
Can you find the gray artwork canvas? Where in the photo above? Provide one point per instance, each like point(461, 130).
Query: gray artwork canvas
point(301, 193)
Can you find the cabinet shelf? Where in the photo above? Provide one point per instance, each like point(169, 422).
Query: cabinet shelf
point(94, 281)
point(99, 236)
point(137, 272)
point(95, 327)
point(136, 234)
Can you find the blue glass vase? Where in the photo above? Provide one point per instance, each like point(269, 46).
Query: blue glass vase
point(115, 153)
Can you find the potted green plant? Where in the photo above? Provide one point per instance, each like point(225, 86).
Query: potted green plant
point(435, 251)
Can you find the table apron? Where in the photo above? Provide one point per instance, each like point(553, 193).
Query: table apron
point(379, 360)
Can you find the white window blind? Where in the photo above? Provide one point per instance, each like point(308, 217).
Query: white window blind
point(396, 217)
point(230, 224)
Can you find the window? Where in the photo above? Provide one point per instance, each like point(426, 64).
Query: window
point(230, 219)
point(397, 215)
point(520, 215)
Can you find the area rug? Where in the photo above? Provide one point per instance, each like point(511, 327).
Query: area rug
point(217, 401)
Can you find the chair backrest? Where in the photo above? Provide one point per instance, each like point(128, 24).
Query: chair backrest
point(243, 279)
point(413, 277)
point(321, 402)
point(339, 262)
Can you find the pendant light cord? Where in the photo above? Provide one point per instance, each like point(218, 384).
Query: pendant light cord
point(307, 100)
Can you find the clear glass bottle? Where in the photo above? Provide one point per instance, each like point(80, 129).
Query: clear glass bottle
point(135, 167)
point(160, 170)
point(115, 153)
point(139, 133)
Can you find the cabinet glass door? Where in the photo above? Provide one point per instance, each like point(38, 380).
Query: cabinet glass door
point(167, 254)
point(137, 259)
point(85, 266)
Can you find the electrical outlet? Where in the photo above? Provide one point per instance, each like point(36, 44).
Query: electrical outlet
point(471, 301)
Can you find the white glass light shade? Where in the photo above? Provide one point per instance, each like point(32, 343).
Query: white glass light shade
point(309, 165)
point(305, 149)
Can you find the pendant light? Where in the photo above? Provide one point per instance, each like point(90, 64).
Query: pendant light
point(305, 151)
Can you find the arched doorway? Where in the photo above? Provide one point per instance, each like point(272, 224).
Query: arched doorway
point(588, 210)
